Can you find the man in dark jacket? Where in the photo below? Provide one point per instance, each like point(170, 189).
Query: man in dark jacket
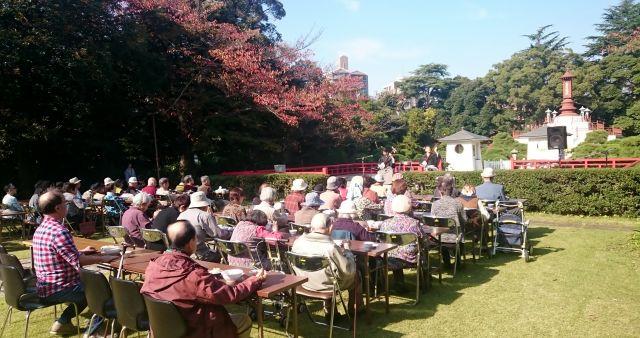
point(199, 296)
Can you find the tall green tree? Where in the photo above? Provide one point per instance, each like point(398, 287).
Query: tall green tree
point(428, 85)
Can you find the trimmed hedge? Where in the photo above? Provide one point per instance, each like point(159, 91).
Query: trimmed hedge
point(589, 192)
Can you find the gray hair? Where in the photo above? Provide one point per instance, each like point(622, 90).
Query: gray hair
point(320, 222)
point(141, 199)
point(267, 194)
point(204, 178)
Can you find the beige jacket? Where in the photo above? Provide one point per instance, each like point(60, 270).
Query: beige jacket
point(343, 264)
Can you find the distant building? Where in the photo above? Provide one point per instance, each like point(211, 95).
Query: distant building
point(343, 71)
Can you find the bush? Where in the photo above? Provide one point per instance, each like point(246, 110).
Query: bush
point(589, 192)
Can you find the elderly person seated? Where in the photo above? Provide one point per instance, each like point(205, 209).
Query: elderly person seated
point(401, 222)
point(331, 197)
point(75, 205)
point(344, 222)
point(9, 200)
point(267, 198)
point(132, 187)
point(170, 214)
point(398, 187)
point(235, 209)
point(469, 201)
point(378, 187)
point(318, 242)
point(368, 193)
point(57, 262)
point(437, 193)
point(364, 206)
point(293, 201)
point(163, 190)
point(198, 295)
point(309, 208)
point(251, 231)
point(448, 207)
point(151, 187)
point(199, 215)
point(489, 190)
point(134, 219)
point(189, 184)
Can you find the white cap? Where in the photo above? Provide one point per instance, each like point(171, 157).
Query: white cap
point(401, 204)
point(133, 179)
point(108, 181)
point(487, 172)
point(299, 185)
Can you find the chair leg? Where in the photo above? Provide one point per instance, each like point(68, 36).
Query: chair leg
point(333, 312)
point(418, 273)
point(91, 321)
point(26, 327)
point(106, 328)
point(5, 320)
point(123, 332)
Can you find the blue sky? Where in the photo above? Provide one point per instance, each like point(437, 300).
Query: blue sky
point(389, 38)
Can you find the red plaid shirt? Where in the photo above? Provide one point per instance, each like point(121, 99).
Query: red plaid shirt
point(55, 258)
point(292, 202)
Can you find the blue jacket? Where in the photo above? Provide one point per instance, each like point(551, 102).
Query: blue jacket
point(491, 191)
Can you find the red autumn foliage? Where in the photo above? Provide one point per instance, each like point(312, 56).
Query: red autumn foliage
point(277, 78)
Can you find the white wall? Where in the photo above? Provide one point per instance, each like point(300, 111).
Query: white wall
point(469, 160)
point(537, 149)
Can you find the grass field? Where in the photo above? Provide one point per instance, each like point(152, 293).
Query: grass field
point(584, 280)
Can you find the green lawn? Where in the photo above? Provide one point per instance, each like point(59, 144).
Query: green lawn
point(583, 281)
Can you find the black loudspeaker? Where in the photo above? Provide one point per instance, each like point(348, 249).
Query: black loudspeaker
point(557, 137)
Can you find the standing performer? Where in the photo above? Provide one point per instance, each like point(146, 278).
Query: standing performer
point(385, 165)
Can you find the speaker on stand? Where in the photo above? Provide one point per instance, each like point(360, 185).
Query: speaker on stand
point(557, 139)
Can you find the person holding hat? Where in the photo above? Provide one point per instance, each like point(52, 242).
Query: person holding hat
point(489, 190)
point(293, 201)
point(134, 219)
point(133, 186)
point(309, 208)
point(402, 222)
point(331, 197)
point(200, 216)
point(344, 222)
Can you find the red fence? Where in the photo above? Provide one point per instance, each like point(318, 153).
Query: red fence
point(576, 163)
point(367, 168)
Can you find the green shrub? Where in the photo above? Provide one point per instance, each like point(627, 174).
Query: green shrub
point(589, 192)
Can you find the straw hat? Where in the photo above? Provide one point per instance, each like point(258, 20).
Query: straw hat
point(199, 200)
point(299, 185)
point(401, 204)
point(487, 172)
point(75, 180)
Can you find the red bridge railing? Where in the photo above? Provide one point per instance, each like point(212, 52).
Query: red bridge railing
point(576, 163)
point(367, 168)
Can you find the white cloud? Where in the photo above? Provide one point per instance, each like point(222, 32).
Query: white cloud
point(351, 5)
point(371, 50)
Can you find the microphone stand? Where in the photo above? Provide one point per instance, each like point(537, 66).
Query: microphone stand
point(362, 161)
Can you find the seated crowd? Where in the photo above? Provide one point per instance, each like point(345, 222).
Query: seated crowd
point(187, 215)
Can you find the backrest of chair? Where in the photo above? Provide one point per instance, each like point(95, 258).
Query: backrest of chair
point(307, 263)
point(129, 304)
point(3, 250)
point(117, 231)
point(301, 229)
point(343, 234)
point(155, 239)
point(164, 319)
point(510, 211)
point(232, 248)
point(224, 220)
point(399, 239)
point(11, 260)
point(13, 284)
point(96, 290)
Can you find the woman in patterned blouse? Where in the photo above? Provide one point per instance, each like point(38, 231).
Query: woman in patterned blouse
point(406, 255)
point(251, 231)
point(235, 209)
